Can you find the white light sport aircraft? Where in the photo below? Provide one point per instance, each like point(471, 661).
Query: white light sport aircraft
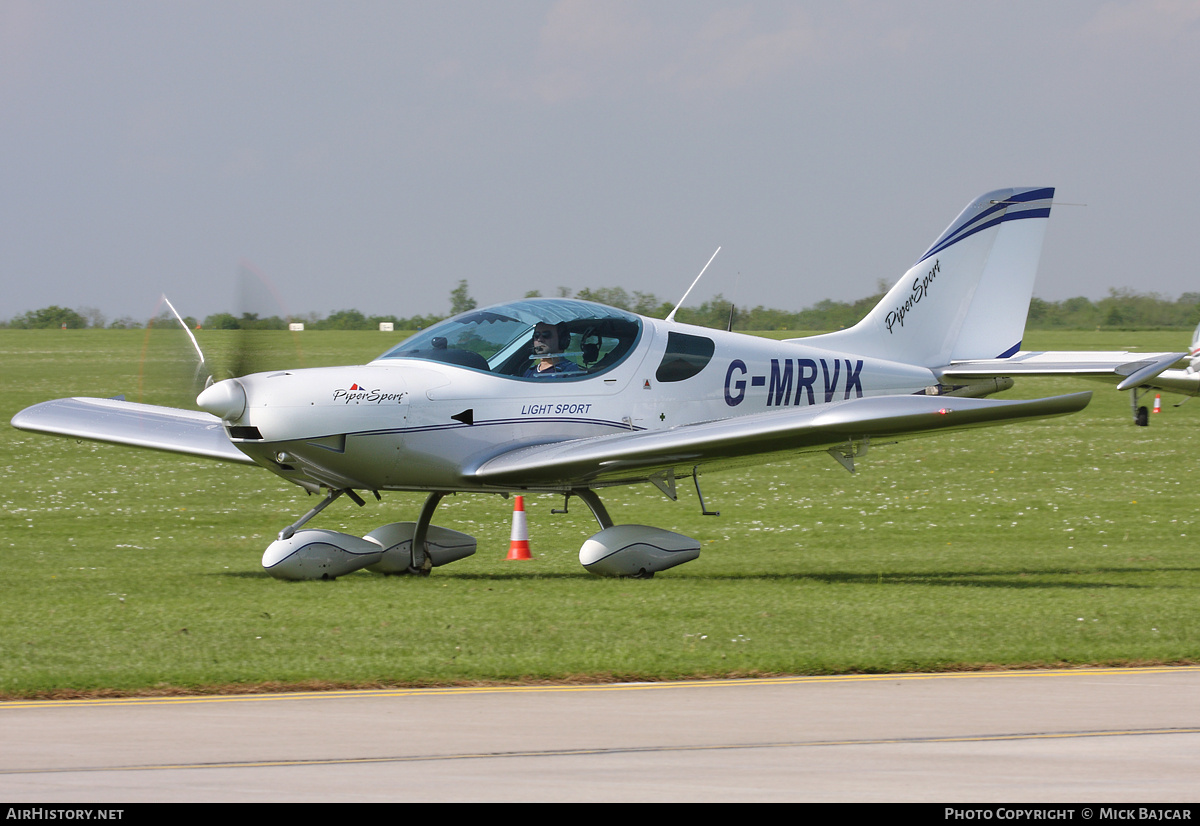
point(566, 396)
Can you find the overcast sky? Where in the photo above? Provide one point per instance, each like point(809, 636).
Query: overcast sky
point(370, 154)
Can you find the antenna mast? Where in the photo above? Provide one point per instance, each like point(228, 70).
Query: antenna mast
point(671, 315)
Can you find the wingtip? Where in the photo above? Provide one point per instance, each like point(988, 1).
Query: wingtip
point(1149, 371)
point(21, 419)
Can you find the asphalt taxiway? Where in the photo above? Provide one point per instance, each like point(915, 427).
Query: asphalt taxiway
point(1086, 735)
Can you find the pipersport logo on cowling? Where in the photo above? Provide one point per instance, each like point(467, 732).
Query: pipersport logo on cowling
point(358, 395)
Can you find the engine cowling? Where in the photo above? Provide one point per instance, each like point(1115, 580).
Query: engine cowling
point(636, 551)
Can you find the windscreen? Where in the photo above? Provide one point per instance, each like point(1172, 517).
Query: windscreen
point(590, 338)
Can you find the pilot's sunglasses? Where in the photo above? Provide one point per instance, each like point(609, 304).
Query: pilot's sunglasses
point(543, 335)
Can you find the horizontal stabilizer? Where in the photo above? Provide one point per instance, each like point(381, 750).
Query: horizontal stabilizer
point(1126, 370)
point(136, 425)
point(626, 457)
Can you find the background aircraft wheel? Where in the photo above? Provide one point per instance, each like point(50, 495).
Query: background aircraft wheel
point(1142, 417)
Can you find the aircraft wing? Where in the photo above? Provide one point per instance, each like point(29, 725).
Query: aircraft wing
point(634, 456)
point(1127, 370)
point(137, 425)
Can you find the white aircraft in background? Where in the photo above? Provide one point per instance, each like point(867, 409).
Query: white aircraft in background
point(1186, 382)
point(571, 397)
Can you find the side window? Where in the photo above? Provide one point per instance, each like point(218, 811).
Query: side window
point(685, 357)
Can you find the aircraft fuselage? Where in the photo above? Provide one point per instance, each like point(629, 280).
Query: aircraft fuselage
point(407, 424)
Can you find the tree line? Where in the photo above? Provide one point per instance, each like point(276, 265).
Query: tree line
point(1120, 309)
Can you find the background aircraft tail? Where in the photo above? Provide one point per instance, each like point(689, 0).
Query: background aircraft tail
point(968, 295)
point(1194, 353)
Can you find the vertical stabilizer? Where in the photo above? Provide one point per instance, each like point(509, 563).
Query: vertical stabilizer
point(968, 295)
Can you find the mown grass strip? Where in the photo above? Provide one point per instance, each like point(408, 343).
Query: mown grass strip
point(1053, 544)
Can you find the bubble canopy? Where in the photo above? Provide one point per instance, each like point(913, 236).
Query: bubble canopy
point(499, 339)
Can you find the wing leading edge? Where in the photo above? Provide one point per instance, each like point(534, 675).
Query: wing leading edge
point(136, 425)
point(634, 456)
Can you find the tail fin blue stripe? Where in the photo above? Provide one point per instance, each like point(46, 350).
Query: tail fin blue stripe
point(1011, 209)
point(1043, 212)
point(971, 304)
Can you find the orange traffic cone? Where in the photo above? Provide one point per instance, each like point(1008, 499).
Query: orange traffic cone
point(518, 548)
point(1157, 404)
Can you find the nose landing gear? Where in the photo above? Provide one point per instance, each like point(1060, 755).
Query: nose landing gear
point(397, 548)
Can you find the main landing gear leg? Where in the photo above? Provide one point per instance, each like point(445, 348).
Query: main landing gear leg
point(421, 563)
point(592, 500)
point(1141, 415)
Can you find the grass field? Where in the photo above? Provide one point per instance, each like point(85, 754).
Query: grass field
point(1065, 542)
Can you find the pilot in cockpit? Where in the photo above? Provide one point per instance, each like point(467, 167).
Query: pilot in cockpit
point(549, 342)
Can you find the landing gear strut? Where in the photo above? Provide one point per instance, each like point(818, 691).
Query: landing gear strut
point(1141, 415)
point(421, 563)
point(592, 500)
point(291, 529)
point(397, 548)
